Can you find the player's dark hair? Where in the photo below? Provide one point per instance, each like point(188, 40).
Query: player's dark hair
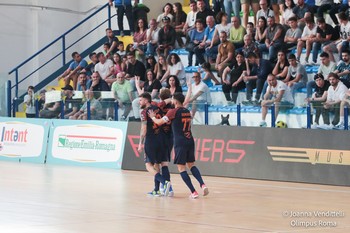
point(164, 94)
point(147, 96)
point(179, 97)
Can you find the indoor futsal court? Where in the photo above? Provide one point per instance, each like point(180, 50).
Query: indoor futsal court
point(37, 198)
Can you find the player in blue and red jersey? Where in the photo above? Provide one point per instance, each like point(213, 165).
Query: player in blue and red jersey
point(184, 147)
point(152, 136)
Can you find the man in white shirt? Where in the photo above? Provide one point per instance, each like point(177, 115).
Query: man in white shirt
point(277, 93)
point(191, 18)
point(344, 102)
point(104, 68)
point(152, 37)
point(200, 94)
point(264, 10)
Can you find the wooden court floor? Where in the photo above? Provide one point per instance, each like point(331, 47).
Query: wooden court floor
point(38, 198)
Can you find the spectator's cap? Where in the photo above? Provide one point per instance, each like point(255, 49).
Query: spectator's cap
point(318, 76)
point(67, 87)
point(42, 91)
point(165, 18)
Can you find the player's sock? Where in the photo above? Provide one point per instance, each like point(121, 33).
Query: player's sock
point(156, 184)
point(166, 173)
point(186, 178)
point(160, 178)
point(196, 173)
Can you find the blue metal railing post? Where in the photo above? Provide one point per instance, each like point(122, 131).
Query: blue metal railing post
point(346, 120)
point(109, 17)
point(206, 113)
point(14, 107)
point(88, 109)
point(16, 90)
point(36, 104)
point(308, 116)
point(238, 114)
point(116, 107)
point(273, 118)
point(63, 50)
point(9, 98)
point(62, 109)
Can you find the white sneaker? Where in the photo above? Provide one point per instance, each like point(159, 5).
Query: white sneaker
point(339, 126)
point(325, 127)
point(263, 124)
point(314, 126)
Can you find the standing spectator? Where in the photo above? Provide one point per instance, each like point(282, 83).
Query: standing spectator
point(74, 68)
point(319, 97)
point(113, 42)
point(245, 8)
point(255, 77)
point(343, 68)
point(274, 39)
point(179, 22)
point(122, 91)
point(167, 36)
point(292, 34)
point(297, 76)
point(196, 37)
point(335, 94)
point(41, 101)
point(29, 101)
point(226, 53)
point(343, 42)
point(124, 7)
point(104, 68)
point(237, 32)
point(265, 10)
point(326, 67)
point(173, 84)
point(325, 34)
point(175, 67)
point(232, 79)
point(232, 6)
point(152, 36)
point(344, 103)
point(167, 12)
point(309, 33)
point(203, 11)
point(279, 94)
point(134, 68)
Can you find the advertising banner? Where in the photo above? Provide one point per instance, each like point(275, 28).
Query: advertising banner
point(23, 139)
point(87, 143)
point(300, 155)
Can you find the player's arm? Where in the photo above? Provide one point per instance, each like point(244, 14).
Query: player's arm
point(160, 121)
point(142, 135)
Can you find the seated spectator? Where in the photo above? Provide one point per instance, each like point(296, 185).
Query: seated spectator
point(343, 68)
point(249, 46)
point(121, 51)
point(161, 67)
point(308, 35)
point(29, 101)
point(83, 82)
point(179, 22)
point(95, 108)
point(279, 94)
point(130, 48)
point(203, 11)
point(250, 30)
point(326, 67)
point(50, 110)
point(191, 18)
point(167, 12)
point(90, 68)
point(226, 53)
point(322, 6)
point(167, 36)
point(210, 43)
point(335, 95)
point(287, 12)
point(302, 11)
point(71, 106)
point(152, 86)
point(223, 25)
point(103, 67)
point(119, 65)
point(317, 100)
point(122, 91)
point(175, 67)
point(274, 39)
point(98, 85)
point(196, 37)
point(337, 7)
point(140, 35)
point(173, 84)
point(105, 50)
point(297, 76)
point(41, 101)
point(150, 63)
point(200, 94)
point(261, 31)
point(207, 75)
point(237, 32)
point(344, 103)
point(265, 10)
point(134, 68)
point(74, 68)
point(232, 79)
point(343, 42)
point(255, 77)
point(152, 36)
point(292, 34)
point(113, 42)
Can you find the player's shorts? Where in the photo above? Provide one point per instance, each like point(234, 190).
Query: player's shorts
point(184, 154)
point(155, 153)
point(170, 144)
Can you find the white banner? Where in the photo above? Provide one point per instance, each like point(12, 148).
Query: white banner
point(52, 96)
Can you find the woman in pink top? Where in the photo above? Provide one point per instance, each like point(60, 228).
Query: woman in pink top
point(119, 65)
point(140, 35)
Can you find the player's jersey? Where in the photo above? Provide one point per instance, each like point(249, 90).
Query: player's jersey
point(180, 119)
point(154, 132)
point(164, 109)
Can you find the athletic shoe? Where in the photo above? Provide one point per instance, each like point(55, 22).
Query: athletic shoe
point(194, 195)
point(247, 102)
point(167, 186)
point(171, 192)
point(205, 190)
point(314, 126)
point(161, 188)
point(325, 127)
point(263, 124)
point(154, 193)
point(339, 126)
